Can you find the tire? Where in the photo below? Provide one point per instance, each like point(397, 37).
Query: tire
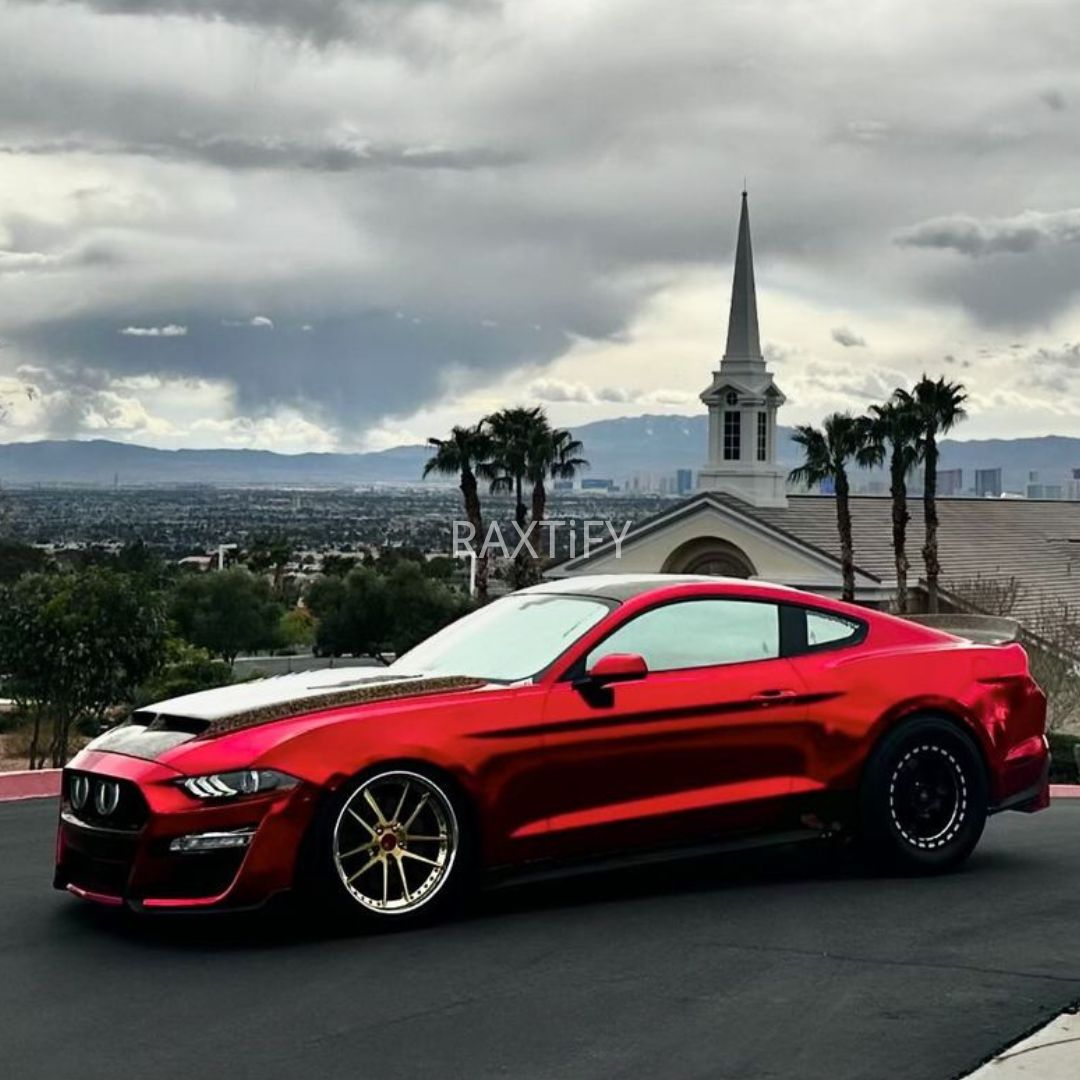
point(391, 848)
point(923, 798)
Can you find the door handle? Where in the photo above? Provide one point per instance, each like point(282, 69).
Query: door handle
point(772, 695)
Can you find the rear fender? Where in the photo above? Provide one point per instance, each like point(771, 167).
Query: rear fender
point(946, 709)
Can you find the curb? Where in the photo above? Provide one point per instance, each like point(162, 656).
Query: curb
point(1065, 791)
point(29, 784)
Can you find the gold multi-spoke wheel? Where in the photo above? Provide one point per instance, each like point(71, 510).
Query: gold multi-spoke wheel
point(394, 842)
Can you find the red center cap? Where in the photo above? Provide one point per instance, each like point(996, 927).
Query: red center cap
point(388, 841)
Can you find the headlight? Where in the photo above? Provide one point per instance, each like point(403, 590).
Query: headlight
point(229, 785)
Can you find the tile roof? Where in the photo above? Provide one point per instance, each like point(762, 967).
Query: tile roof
point(1035, 541)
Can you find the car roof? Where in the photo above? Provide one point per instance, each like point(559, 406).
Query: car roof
point(622, 587)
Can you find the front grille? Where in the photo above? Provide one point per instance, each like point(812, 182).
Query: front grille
point(103, 801)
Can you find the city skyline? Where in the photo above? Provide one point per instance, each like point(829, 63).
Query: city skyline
point(366, 224)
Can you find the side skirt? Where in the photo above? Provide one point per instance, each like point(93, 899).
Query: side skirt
point(550, 870)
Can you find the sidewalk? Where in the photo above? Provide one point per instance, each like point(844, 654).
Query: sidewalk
point(1052, 1053)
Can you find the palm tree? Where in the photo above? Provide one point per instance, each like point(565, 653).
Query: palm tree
point(894, 428)
point(465, 454)
point(826, 453)
point(512, 433)
point(553, 452)
point(939, 406)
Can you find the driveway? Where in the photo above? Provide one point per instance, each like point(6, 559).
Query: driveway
point(789, 963)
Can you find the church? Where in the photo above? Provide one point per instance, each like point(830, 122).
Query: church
point(742, 521)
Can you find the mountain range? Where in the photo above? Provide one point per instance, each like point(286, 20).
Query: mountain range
point(616, 448)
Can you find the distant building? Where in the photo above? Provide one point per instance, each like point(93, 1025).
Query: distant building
point(950, 481)
point(597, 483)
point(684, 481)
point(988, 483)
point(563, 485)
point(1072, 486)
point(1037, 489)
point(198, 563)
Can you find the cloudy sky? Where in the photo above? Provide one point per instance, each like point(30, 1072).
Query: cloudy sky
point(315, 224)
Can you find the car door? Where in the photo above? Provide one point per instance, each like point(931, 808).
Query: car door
point(702, 745)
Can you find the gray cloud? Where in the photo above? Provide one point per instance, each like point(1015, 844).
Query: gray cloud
point(1055, 370)
point(847, 337)
point(1054, 100)
point(27, 260)
point(1015, 235)
point(270, 152)
point(345, 372)
point(318, 21)
point(487, 174)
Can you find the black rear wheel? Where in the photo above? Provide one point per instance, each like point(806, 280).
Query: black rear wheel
point(923, 798)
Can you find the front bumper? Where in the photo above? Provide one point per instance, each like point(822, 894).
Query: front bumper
point(123, 858)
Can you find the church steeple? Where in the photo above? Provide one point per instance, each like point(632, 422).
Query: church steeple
point(743, 399)
point(743, 342)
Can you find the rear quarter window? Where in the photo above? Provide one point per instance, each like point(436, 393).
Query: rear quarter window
point(828, 629)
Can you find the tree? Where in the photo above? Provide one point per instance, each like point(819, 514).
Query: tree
point(826, 453)
point(521, 440)
point(185, 669)
point(226, 613)
point(939, 406)
point(464, 454)
point(894, 428)
point(296, 627)
point(338, 565)
point(73, 646)
point(419, 605)
point(513, 432)
point(17, 559)
point(370, 613)
point(270, 555)
point(553, 452)
point(353, 614)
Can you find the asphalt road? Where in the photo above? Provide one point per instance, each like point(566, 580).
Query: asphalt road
point(780, 964)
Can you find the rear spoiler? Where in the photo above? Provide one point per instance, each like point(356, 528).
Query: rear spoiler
point(979, 629)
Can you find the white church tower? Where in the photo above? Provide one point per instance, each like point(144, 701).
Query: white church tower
point(743, 399)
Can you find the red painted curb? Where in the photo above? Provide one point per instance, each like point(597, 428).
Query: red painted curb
point(1065, 791)
point(29, 784)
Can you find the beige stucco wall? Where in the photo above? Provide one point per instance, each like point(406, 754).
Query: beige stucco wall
point(773, 559)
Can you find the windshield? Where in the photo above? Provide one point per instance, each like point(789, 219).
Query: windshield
point(511, 639)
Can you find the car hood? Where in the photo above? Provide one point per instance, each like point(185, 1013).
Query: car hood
point(158, 728)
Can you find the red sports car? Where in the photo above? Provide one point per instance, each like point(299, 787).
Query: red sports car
point(598, 718)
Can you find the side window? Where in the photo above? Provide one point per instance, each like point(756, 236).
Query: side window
point(827, 629)
point(698, 633)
